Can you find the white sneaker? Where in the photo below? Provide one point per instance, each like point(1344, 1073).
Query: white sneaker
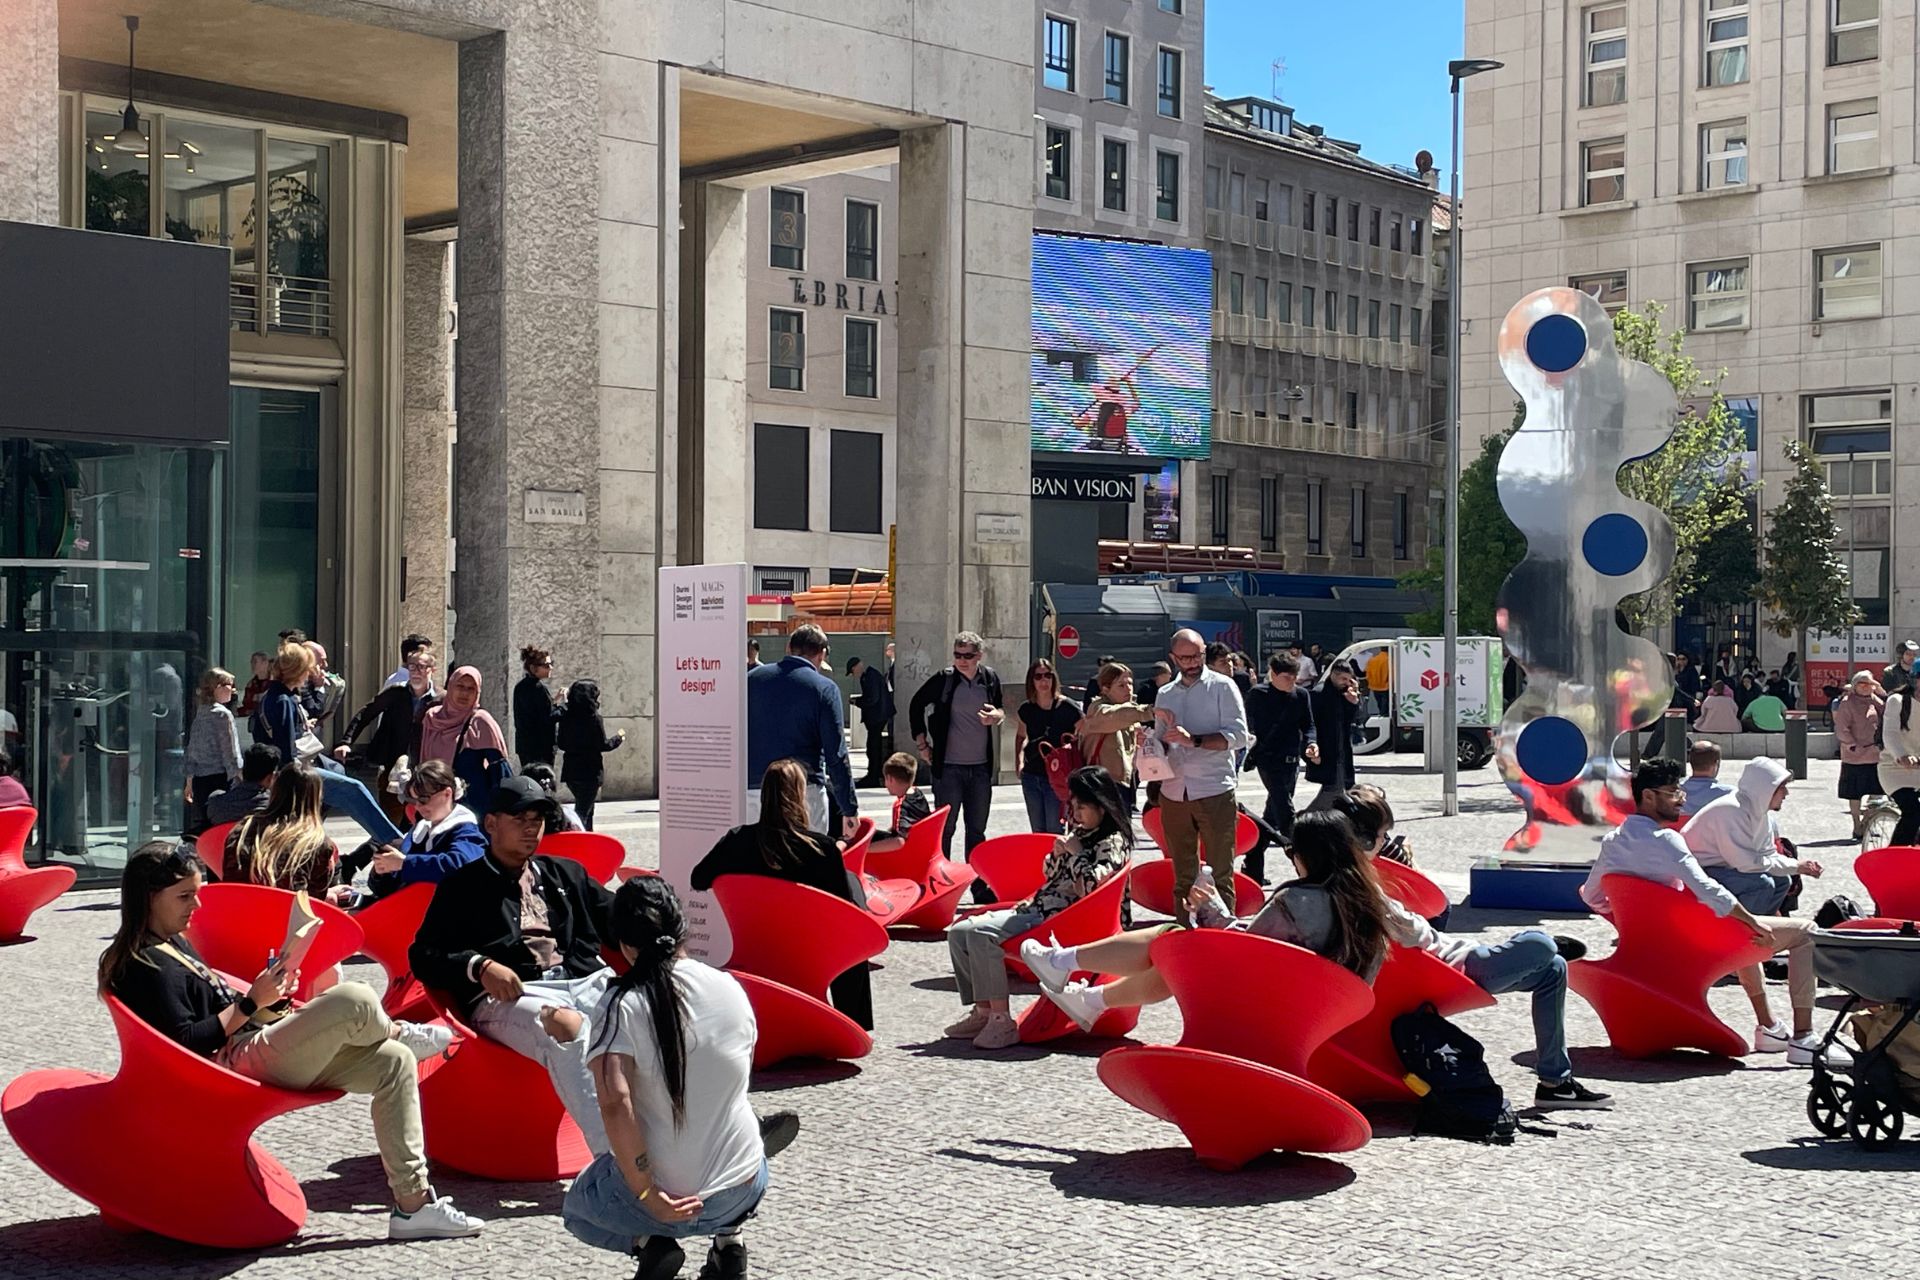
point(1075, 1000)
point(1773, 1039)
point(1802, 1050)
point(437, 1219)
point(968, 1027)
point(1001, 1032)
point(1041, 958)
point(424, 1039)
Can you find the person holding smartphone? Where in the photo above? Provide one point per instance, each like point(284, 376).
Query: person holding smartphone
point(953, 717)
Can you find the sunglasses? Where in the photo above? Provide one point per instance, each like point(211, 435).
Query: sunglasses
point(964, 655)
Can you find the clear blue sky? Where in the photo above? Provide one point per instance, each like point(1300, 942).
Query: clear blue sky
point(1371, 71)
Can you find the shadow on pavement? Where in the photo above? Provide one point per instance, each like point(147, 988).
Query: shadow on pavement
point(1603, 1063)
point(1821, 1155)
point(359, 1185)
point(800, 1077)
point(1467, 918)
point(1165, 1175)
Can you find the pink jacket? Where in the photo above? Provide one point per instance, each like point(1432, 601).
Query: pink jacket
point(1856, 722)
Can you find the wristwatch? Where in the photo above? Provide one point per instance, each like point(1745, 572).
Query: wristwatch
point(247, 1006)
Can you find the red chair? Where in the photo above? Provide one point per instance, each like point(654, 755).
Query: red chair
point(238, 926)
point(600, 854)
point(1013, 866)
point(1359, 1063)
point(919, 860)
point(1153, 889)
point(1651, 992)
point(885, 900)
point(1094, 917)
point(218, 1187)
point(387, 927)
point(1892, 878)
point(863, 829)
point(914, 858)
point(23, 889)
point(790, 941)
point(1235, 1084)
point(1410, 888)
point(625, 874)
point(211, 845)
point(489, 1112)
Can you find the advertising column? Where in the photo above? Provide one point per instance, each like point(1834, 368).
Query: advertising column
point(702, 707)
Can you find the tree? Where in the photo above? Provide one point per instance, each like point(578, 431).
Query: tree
point(1806, 585)
point(1729, 571)
point(1490, 546)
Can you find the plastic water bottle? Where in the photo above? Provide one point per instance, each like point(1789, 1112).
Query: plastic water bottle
point(1204, 880)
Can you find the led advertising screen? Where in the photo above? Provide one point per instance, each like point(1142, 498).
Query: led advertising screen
point(1121, 347)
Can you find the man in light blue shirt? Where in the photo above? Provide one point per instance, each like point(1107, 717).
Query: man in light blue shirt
point(1203, 724)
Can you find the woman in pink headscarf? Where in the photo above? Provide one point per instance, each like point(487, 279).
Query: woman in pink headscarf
point(459, 721)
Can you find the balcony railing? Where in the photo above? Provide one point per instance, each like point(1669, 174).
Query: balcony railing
point(1271, 432)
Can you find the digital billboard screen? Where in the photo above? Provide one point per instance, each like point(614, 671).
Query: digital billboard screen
point(1122, 338)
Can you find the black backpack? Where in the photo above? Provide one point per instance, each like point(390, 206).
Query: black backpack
point(1835, 909)
point(1462, 1099)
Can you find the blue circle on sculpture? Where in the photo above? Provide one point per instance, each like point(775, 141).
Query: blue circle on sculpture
point(1556, 343)
point(1614, 545)
point(1551, 750)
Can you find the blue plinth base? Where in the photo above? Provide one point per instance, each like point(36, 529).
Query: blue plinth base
point(1527, 888)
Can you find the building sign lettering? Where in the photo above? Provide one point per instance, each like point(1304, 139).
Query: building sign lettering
point(866, 299)
point(1083, 486)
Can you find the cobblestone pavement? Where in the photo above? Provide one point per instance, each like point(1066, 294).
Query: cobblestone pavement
point(929, 1159)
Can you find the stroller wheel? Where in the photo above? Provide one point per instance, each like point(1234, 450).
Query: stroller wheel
point(1874, 1124)
point(1827, 1104)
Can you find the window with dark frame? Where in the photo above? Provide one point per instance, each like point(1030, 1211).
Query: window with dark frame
point(1353, 221)
point(1169, 84)
point(781, 468)
point(786, 349)
point(1113, 175)
point(1056, 71)
point(787, 230)
point(1118, 67)
point(853, 482)
point(1316, 517)
point(1402, 521)
point(1059, 163)
point(863, 240)
point(863, 358)
point(1307, 208)
point(1222, 505)
point(1353, 410)
point(1373, 227)
point(1166, 193)
point(1269, 513)
point(1357, 522)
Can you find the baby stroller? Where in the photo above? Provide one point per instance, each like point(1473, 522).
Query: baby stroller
point(1876, 962)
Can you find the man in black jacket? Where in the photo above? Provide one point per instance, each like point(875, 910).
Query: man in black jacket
point(1280, 716)
point(876, 713)
point(1336, 710)
point(395, 714)
point(953, 717)
point(513, 942)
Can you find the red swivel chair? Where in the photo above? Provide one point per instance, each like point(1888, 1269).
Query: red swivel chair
point(916, 854)
point(1651, 992)
point(625, 874)
point(863, 829)
point(489, 1112)
point(1235, 1084)
point(1410, 888)
point(1245, 833)
point(790, 941)
point(23, 889)
point(387, 926)
point(1153, 889)
point(1094, 917)
point(941, 880)
point(219, 1188)
point(600, 854)
point(1013, 866)
point(884, 900)
point(1892, 878)
point(211, 845)
point(1359, 1063)
point(239, 925)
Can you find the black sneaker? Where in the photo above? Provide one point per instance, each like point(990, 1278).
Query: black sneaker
point(660, 1259)
point(725, 1261)
point(1568, 1095)
point(1570, 949)
point(778, 1129)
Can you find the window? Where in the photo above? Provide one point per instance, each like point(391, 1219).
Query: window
point(1213, 186)
point(1853, 31)
point(1113, 175)
point(787, 230)
point(1273, 119)
point(1236, 292)
point(1393, 323)
point(786, 349)
point(780, 471)
point(1417, 236)
point(1373, 227)
point(1171, 6)
point(1402, 521)
point(1853, 136)
point(1316, 516)
point(1353, 410)
point(1413, 326)
point(1609, 289)
point(1260, 206)
point(1260, 297)
point(1222, 505)
point(1852, 438)
point(1723, 154)
point(1394, 234)
point(1170, 83)
point(1269, 513)
point(1283, 302)
point(863, 240)
point(1353, 314)
point(853, 478)
point(1166, 187)
point(1057, 69)
point(1307, 207)
point(1118, 61)
point(1373, 317)
point(1357, 522)
point(1603, 170)
point(1606, 55)
point(1726, 22)
point(863, 358)
point(1846, 283)
point(1059, 163)
point(1330, 320)
point(1237, 194)
point(1306, 306)
point(1718, 296)
point(1353, 221)
point(1257, 394)
point(1333, 215)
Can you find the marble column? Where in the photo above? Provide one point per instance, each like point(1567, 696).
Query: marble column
point(713, 421)
point(30, 120)
point(427, 441)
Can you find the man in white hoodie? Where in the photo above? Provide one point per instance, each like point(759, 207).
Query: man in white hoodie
point(1736, 839)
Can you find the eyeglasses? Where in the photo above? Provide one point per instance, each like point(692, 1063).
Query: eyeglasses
point(1037, 679)
point(965, 655)
point(421, 666)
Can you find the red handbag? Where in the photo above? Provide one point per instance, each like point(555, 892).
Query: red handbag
point(1061, 761)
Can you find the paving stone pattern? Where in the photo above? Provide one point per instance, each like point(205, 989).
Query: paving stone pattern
point(929, 1159)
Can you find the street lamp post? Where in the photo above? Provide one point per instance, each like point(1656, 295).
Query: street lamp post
point(1457, 70)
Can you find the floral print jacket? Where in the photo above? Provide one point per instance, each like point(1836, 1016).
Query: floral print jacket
point(1075, 868)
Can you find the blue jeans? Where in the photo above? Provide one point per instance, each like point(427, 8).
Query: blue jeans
point(339, 790)
point(1530, 961)
point(1043, 806)
point(1757, 891)
point(601, 1210)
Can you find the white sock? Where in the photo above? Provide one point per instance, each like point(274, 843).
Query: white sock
point(1067, 958)
point(1097, 998)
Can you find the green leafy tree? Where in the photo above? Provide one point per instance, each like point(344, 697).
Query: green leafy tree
point(1806, 585)
point(1490, 546)
point(1728, 571)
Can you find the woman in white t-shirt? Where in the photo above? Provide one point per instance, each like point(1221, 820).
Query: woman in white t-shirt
point(671, 1051)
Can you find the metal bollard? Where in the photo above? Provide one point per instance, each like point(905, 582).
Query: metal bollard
point(1673, 735)
point(1797, 744)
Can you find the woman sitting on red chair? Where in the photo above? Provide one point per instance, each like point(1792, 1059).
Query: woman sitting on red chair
point(339, 1040)
point(781, 845)
point(1335, 909)
point(446, 835)
point(1098, 843)
point(286, 845)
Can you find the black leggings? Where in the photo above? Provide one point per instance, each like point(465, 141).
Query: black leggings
point(584, 795)
point(1909, 825)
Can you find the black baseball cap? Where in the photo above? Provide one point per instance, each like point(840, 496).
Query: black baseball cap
point(519, 794)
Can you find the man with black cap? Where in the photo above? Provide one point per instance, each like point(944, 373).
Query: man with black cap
point(1897, 676)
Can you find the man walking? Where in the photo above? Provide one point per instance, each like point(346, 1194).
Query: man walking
point(952, 717)
point(793, 713)
point(1280, 716)
point(876, 713)
point(1197, 808)
point(1897, 676)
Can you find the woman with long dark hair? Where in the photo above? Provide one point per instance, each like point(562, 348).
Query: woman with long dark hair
point(671, 1051)
point(340, 1039)
point(1900, 762)
point(1097, 844)
point(535, 710)
point(285, 845)
point(583, 737)
point(782, 845)
point(1047, 718)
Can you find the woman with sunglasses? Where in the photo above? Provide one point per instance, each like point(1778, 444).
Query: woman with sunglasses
point(1047, 720)
point(445, 835)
